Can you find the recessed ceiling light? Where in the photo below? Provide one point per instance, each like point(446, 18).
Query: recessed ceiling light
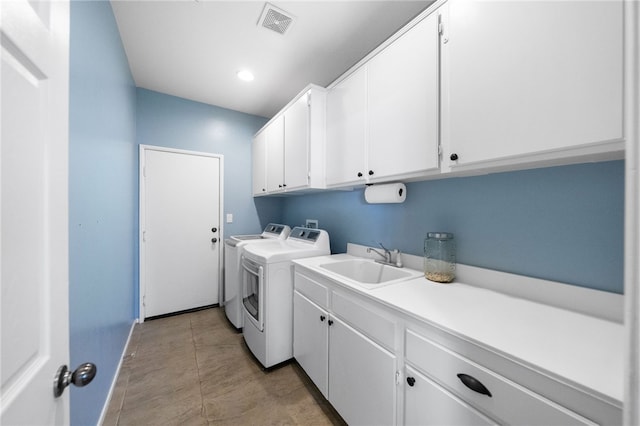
point(245, 75)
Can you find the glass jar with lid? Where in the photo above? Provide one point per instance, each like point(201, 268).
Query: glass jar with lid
point(440, 257)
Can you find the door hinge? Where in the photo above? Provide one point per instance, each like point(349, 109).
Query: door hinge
point(441, 29)
point(144, 300)
point(309, 100)
point(144, 236)
point(144, 171)
point(398, 377)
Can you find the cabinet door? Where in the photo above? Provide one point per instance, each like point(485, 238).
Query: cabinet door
point(426, 403)
point(527, 77)
point(346, 130)
point(361, 377)
point(311, 340)
point(296, 144)
point(275, 155)
point(403, 104)
point(259, 163)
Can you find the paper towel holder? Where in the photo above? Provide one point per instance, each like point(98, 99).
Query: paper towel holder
point(385, 193)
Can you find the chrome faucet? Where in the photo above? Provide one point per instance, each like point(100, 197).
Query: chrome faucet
point(387, 256)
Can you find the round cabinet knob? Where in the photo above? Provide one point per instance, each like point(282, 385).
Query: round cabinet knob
point(214, 240)
point(322, 318)
point(453, 157)
point(279, 186)
point(330, 322)
point(214, 229)
point(264, 190)
point(411, 381)
point(359, 174)
point(370, 172)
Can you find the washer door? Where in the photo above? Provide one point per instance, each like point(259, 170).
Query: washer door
point(253, 292)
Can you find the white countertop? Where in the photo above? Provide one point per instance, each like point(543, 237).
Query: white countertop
point(583, 349)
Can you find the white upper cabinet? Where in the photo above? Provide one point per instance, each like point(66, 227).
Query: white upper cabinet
point(382, 120)
point(294, 145)
point(530, 82)
point(275, 155)
point(403, 104)
point(259, 163)
point(346, 129)
point(296, 148)
point(470, 86)
point(304, 135)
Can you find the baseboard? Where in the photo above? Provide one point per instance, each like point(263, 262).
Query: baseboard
point(115, 376)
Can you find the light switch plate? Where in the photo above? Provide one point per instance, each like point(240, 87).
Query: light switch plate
point(229, 217)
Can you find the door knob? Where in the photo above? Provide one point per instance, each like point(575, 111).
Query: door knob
point(214, 240)
point(82, 376)
point(214, 229)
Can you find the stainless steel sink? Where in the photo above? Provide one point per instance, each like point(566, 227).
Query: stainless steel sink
point(368, 273)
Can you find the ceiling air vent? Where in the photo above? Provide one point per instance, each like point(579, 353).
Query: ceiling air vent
point(275, 19)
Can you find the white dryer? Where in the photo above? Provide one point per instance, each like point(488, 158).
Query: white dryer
point(233, 247)
point(267, 291)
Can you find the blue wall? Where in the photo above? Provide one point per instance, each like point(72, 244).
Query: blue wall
point(102, 202)
point(169, 121)
point(562, 223)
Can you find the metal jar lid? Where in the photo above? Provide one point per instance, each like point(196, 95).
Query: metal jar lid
point(440, 235)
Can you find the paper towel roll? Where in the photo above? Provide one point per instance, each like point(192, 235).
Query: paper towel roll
point(388, 193)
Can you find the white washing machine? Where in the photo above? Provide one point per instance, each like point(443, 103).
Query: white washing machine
point(267, 291)
point(233, 247)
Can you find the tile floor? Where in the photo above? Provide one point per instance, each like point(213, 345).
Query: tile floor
point(195, 369)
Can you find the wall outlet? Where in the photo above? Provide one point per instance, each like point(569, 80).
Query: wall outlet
point(312, 223)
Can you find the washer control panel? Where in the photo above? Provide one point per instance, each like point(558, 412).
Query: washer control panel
point(305, 234)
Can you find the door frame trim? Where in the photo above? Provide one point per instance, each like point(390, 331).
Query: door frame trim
point(142, 285)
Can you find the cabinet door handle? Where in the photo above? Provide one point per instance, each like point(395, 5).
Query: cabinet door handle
point(359, 174)
point(370, 172)
point(453, 157)
point(411, 381)
point(330, 322)
point(322, 318)
point(474, 384)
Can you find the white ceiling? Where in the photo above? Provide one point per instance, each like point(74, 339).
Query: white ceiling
point(193, 49)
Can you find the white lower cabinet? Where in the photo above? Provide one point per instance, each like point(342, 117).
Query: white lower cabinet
point(379, 366)
point(506, 401)
point(356, 374)
point(427, 403)
point(311, 340)
point(362, 374)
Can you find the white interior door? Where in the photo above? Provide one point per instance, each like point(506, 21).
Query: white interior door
point(34, 210)
point(181, 235)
